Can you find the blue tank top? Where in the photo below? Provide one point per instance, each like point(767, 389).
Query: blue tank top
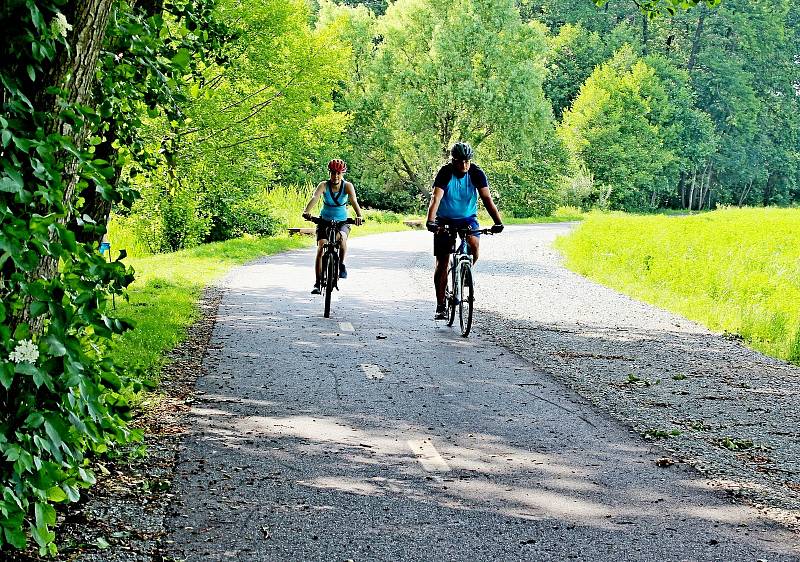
point(334, 205)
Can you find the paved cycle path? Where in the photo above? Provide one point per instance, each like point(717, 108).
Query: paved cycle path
point(380, 434)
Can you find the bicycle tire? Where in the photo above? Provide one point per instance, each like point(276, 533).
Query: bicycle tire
point(331, 271)
point(466, 301)
point(450, 297)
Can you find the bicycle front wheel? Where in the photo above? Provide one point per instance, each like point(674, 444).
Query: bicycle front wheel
point(466, 300)
point(450, 295)
point(331, 273)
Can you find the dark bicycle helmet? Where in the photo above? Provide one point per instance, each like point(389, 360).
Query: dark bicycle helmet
point(462, 151)
point(337, 165)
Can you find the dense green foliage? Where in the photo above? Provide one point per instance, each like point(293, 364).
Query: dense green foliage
point(427, 74)
point(715, 109)
point(62, 399)
point(734, 270)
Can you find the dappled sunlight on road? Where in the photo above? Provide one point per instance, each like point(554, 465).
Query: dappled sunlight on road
point(382, 427)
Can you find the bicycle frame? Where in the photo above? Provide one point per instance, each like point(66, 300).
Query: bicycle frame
point(461, 279)
point(458, 259)
point(331, 250)
point(329, 276)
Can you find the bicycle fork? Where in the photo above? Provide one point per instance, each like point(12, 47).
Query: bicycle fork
point(456, 276)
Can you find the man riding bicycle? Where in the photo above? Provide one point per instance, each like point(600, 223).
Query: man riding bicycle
point(454, 202)
point(336, 193)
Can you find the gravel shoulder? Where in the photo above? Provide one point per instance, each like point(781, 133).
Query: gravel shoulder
point(705, 399)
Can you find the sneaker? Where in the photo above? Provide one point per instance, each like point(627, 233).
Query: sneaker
point(441, 313)
point(316, 289)
point(342, 271)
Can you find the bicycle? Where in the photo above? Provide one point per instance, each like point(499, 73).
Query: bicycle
point(330, 259)
point(460, 291)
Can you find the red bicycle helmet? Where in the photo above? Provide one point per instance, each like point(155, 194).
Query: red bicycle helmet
point(337, 165)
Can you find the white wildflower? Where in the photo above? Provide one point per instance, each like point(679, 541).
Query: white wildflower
point(60, 25)
point(26, 350)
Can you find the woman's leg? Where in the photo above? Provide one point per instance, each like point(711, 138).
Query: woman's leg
point(318, 261)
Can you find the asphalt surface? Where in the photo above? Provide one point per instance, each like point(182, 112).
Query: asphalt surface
point(380, 434)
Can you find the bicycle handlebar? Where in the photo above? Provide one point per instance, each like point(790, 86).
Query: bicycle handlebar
point(466, 231)
point(317, 220)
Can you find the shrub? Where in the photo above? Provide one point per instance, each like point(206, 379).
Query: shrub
point(397, 200)
point(253, 216)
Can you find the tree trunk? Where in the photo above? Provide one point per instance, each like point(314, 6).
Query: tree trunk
point(745, 192)
point(95, 206)
point(698, 33)
point(74, 71)
point(704, 181)
point(645, 34)
point(691, 190)
point(769, 189)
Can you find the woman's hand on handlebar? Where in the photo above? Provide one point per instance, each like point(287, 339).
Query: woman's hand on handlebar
point(359, 221)
point(307, 216)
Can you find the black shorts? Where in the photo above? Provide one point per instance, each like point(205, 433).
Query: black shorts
point(322, 230)
point(444, 243)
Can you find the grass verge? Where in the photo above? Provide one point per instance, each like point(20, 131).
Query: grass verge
point(733, 270)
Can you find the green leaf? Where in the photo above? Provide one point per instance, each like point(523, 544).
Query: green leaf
point(38, 308)
point(42, 535)
point(6, 375)
point(53, 434)
point(56, 348)
point(86, 476)
point(56, 494)
point(5, 136)
point(22, 332)
point(31, 73)
point(73, 494)
point(111, 379)
point(15, 536)
point(34, 420)
point(45, 514)
point(182, 58)
point(101, 543)
point(12, 182)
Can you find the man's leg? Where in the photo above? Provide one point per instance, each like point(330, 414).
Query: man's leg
point(474, 243)
point(440, 279)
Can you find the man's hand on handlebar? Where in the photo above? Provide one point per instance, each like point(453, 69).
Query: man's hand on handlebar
point(497, 228)
point(359, 221)
point(307, 216)
point(432, 226)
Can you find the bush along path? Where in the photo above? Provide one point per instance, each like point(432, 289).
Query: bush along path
point(122, 516)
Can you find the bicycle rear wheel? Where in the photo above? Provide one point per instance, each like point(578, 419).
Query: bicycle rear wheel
point(465, 303)
point(331, 273)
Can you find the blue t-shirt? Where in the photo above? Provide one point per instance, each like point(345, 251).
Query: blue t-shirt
point(334, 204)
point(460, 200)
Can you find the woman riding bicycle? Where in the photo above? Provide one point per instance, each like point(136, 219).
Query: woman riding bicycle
point(336, 193)
point(454, 201)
